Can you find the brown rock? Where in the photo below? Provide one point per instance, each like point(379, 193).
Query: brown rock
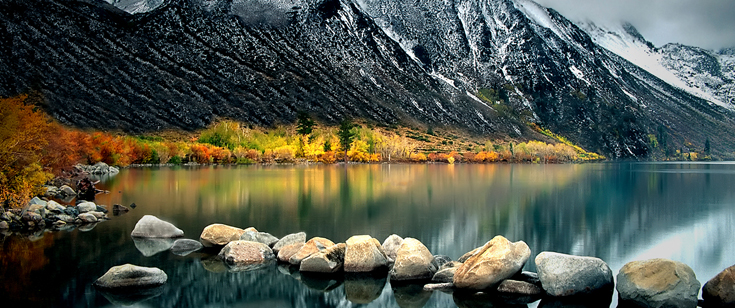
point(219, 235)
point(720, 290)
point(413, 261)
point(329, 260)
point(243, 253)
point(286, 252)
point(312, 246)
point(364, 254)
point(518, 287)
point(497, 260)
point(658, 283)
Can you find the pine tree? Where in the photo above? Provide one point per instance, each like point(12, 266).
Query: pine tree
point(345, 135)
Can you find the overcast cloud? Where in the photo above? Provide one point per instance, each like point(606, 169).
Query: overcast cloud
point(703, 23)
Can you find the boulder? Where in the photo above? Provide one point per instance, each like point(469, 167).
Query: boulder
point(51, 192)
point(364, 253)
point(120, 208)
point(314, 245)
point(86, 207)
point(32, 217)
point(131, 276)
point(445, 274)
point(219, 235)
point(391, 245)
point(289, 240)
point(67, 191)
point(55, 207)
point(658, 283)
point(440, 260)
point(413, 262)
point(329, 260)
point(149, 246)
point(98, 215)
point(515, 287)
point(183, 247)
point(151, 226)
point(37, 208)
point(86, 218)
point(286, 252)
point(469, 254)
point(260, 237)
point(101, 208)
point(720, 290)
point(38, 201)
point(497, 260)
point(71, 211)
point(567, 275)
point(246, 254)
point(65, 218)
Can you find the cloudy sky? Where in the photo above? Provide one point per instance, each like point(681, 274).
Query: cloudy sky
point(704, 23)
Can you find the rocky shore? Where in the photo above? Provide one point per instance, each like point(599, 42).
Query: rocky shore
point(488, 275)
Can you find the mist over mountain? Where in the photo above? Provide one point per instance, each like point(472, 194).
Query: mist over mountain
point(487, 67)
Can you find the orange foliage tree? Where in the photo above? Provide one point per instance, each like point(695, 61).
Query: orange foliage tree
point(23, 134)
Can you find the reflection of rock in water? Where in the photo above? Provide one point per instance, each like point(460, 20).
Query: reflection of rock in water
point(250, 267)
point(87, 227)
point(324, 283)
point(410, 295)
point(364, 288)
point(602, 299)
point(491, 300)
point(130, 296)
point(214, 264)
point(151, 246)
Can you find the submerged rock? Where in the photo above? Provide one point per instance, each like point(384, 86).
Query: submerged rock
point(131, 276)
point(149, 246)
point(658, 283)
point(413, 262)
point(364, 253)
point(183, 247)
point(219, 235)
point(720, 290)
point(497, 260)
point(567, 275)
point(151, 226)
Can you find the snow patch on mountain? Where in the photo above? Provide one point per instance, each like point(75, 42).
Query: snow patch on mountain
point(136, 6)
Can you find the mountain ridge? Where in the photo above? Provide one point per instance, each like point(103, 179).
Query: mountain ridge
point(186, 63)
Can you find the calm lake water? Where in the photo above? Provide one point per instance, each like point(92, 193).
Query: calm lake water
point(619, 212)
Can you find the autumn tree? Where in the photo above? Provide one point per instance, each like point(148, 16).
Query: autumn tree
point(23, 135)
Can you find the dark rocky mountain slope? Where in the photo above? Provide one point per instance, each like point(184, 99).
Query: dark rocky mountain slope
point(184, 63)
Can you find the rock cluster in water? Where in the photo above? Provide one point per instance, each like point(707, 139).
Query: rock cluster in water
point(488, 273)
point(42, 214)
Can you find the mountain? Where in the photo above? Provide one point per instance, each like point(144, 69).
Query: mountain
point(484, 66)
point(706, 74)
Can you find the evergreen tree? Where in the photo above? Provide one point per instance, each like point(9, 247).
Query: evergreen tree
point(345, 135)
point(707, 148)
point(304, 123)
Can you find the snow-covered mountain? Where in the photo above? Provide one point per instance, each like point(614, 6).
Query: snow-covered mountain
point(703, 73)
point(489, 67)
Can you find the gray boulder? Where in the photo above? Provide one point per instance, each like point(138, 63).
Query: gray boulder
point(55, 207)
point(51, 192)
point(391, 245)
point(720, 290)
point(567, 275)
point(183, 247)
point(38, 201)
point(658, 283)
point(98, 215)
point(86, 207)
point(152, 227)
point(67, 191)
point(289, 240)
point(86, 218)
point(131, 276)
point(260, 237)
point(329, 260)
point(413, 262)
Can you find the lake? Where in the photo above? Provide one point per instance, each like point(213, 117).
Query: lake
point(619, 212)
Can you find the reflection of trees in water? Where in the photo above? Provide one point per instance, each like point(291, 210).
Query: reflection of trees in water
point(21, 258)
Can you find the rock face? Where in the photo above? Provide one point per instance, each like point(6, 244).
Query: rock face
point(658, 283)
point(312, 246)
point(182, 247)
point(288, 240)
point(364, 254)
point(567, 275)
point(413, 261)
point(151, 226)
point(720, 290)
point(131, 276)
point(497, 260)
point(246, 253)
point(219, 235)
point(391, 245)
point(329, 260)
point(260, 237)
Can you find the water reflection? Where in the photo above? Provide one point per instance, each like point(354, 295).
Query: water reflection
point(617, 212)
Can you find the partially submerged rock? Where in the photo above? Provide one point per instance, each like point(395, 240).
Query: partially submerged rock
point(131, 276)
point(151, 226)
point(219, 235)
point(413, 262)
point(246, 255)
point(289, 240)
point(149, 246)
point(658, 283)
point(364, 254)
point(567, 275)
point(720, 290)
point(497, 260)
point(329, 260)
point(314, 245)
point(260, 237)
